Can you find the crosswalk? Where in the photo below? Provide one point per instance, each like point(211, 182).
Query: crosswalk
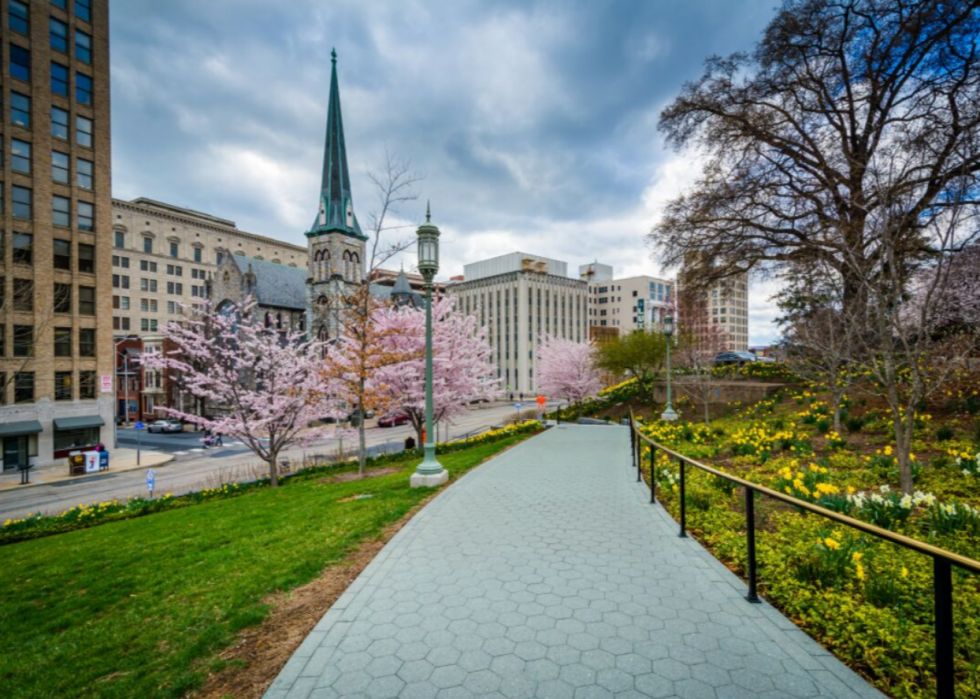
point(228, 444)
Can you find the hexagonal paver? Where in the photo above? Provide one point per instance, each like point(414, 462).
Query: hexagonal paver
point(447, 676)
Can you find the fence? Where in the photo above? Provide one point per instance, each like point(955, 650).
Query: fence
point(943, 560)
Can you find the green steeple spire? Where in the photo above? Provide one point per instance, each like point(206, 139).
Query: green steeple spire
point(336, 208)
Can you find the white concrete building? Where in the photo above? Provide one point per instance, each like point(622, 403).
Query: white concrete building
point(519, 297)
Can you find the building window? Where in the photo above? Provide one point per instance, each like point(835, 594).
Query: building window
point(86, 384)
point(83, 46)
point(23, 340)
point(86, 216)
point(59, 79)
point(61, 211)
point(62, 385)
point(59, 123)
point(62, 342)
point(86, 342)
point(23, 250)
point(83, 89)
point(83, 131)
point(62, 298)
point(24, 295)
point(22, 202)
point(124, 303)
point(20, 110)
point(20, 20)
point(60, 167)
point(59, 35)
point(148, 266)
point(148, 325)
point(174, 249)
point(86, 168)
point(175, 288)
point(120, 240)
point(218, 257)
point(86, 300)
point(148, 285)
point(86, 258)
point(147, 244)
point(21, 156)
point(83, 9)
point(62, 254)
point(197, 254)
point(24, 387)
point(171, 307)
point(20, 63)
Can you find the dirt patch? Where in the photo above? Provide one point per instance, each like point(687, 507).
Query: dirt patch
point(355, 476)
point(261, 652)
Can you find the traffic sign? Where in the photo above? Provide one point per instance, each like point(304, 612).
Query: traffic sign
point(151, 478)
point(138, 426)
point(517, 405)
point(542, 400)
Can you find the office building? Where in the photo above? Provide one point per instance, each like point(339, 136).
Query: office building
point(518, 298)
point(628, 304)
point(56, 349)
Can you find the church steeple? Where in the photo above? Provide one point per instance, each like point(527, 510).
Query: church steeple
point(336, 207)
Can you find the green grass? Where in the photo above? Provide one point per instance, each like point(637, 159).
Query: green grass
point(138, 608)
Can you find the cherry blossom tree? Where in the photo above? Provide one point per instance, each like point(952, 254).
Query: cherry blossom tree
point(567, 369)
point(263, 385)
point(461, 362)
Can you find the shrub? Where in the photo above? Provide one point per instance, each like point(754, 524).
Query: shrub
point(945, 432)
point(854, 423)
point(823, 425)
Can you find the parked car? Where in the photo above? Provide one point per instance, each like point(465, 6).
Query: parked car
point(165, 426)
point(393, 419)
point(734, 358)
point(765, 360)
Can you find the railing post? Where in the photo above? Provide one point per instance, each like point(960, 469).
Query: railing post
point(943, 584)
point(752, 596)
point(683, 532)
point(632, 443)
point(653, 476)
point(639, 459)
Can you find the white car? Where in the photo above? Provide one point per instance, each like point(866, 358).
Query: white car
point(165, 426)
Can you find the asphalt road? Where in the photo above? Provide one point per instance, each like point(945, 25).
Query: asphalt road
point(195, 468)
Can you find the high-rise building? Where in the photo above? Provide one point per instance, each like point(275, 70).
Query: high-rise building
point(628, 304)
point(56, 347)
point(518, 298)
point(722, 305)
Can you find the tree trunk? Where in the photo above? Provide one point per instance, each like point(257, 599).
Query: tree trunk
point(836, 397)
point(273, 462)
point(362, 456)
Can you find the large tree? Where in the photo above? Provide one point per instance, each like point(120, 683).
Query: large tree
point(639, 354)
point(844, 108)
point(263, 386)
point(461, 362)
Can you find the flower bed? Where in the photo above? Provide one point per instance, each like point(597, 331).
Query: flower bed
point(869, 601)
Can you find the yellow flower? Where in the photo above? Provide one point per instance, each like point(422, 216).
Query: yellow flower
point(831, 544)
point(859, 571)
point(857, 556)
point(905, 572)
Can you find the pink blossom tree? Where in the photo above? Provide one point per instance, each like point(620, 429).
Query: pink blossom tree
point(567, 369)
point(264, 386)
point(461, 362)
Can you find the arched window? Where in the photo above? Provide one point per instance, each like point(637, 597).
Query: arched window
point(268, 319)
point(302, 323)
point(347, 265)
point(279, 320)
point(355, 267)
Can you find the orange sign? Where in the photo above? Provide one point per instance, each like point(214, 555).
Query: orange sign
point(542, 400)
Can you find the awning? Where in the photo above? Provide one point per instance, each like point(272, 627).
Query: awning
point(77, 423)
point(16, 429)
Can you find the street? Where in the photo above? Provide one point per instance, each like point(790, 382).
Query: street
point(195, 467)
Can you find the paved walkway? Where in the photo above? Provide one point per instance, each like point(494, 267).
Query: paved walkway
point(545, 573)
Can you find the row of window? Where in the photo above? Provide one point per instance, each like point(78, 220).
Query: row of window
point(23, 253)
point(123, 303)
point(25, 339)
point(20, 16)
point(20, 68)
point(20, 161)
point(24, 386)
point(23, 208)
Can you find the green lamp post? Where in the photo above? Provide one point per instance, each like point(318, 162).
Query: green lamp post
point(669, 414)
point(430, 472)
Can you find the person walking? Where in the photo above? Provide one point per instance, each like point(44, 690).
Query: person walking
point(218, 441)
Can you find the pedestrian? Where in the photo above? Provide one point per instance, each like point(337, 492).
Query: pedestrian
point(218, 442)
point(207, 440)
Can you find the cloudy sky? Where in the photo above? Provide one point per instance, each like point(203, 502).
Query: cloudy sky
point(534, 123)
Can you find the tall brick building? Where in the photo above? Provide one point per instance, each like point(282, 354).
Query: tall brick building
point(56, 348)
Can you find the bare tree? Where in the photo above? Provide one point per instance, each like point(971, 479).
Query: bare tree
point(699, 340)
point(844, 108)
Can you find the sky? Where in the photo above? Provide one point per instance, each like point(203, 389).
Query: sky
point(532, 124)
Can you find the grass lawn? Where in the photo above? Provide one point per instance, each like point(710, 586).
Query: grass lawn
point(140, 608)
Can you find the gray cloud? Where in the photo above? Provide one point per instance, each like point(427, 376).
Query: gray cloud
point(534, 122)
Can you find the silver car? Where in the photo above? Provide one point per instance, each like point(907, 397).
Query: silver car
point(165, 426)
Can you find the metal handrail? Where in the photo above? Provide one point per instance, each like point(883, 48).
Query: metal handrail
point(943, 560)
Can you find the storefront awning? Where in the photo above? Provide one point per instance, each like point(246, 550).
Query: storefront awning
point(16, 429)
point(77, 423)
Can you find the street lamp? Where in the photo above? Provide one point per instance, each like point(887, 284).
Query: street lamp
point(669, 414)
point(430, 472)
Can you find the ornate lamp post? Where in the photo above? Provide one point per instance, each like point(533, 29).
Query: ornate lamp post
point(430, 472)
point(669, 413)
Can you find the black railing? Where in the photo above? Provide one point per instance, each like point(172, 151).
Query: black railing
point(943, 560)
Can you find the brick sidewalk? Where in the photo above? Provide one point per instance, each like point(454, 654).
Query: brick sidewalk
point(546, 573)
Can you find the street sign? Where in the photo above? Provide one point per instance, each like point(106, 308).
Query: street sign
point(517, 405)
point(138, 426)
point(541, 401)
point(106, 383)
point(151, 478)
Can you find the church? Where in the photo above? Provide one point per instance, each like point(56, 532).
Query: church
point(294, 299)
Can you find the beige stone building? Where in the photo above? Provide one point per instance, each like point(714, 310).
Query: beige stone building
point(518, 298)
point(628, 304)
point(163, 256)
point(724, 304)
point(56, 349)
